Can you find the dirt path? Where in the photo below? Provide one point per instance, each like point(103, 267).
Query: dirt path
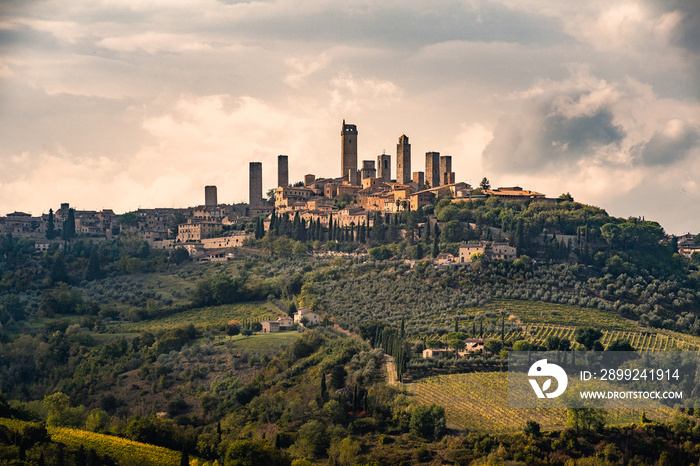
point(390, 370)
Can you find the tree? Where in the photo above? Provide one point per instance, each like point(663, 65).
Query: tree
point(56, 406)
point(485, 184)
point(179, 255)
point(69, 225)
point(585, 419)
point(493, 346)
point(94, 271)
point(587, 336)
point(456, 344)
point(521, 345)
point(428, 421)
point(50, 227)
point(253, 453)
point(620, 345)
point(532, 429)
point(345, 452)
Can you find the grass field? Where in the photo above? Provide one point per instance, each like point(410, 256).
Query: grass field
point(260, 343)
point(206, 317)
point(478, 402)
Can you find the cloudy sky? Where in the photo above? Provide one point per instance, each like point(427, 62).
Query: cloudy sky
point(135, 103)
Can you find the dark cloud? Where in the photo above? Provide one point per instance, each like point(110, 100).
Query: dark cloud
point(668, 145)
point(538, 137)
point(577, 135)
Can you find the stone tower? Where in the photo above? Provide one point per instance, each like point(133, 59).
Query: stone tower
point(348, 149)
point(210, 196)
point(403, 160)
point(419, 179)
point(368, 170)
point(432, 169)
point(446, 175)
point(255, 185)
point(384, 167)
point(282, 170)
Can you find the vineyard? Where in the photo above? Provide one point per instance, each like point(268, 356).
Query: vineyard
point(479, 402)
point(125, 452)
point(640, 340)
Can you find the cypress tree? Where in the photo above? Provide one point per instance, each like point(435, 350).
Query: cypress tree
point(69, 225)
point(50, 227)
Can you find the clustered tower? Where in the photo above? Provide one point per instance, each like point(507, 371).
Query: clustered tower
point(432, 169)
point(348, 152)
point(384, 167)
point(403, 160)
point(255, 185)
point(447, 176)
point(210, 196)
point(282, 170)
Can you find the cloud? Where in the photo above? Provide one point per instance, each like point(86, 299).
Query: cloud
point(668, 145)
point(565, 123)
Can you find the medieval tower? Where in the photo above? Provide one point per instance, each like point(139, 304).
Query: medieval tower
point(210, 196)
point(282, 170)
point(348, 150)
point(403, 160)
point(384, 167)
point(255, 184)
point(432, 169)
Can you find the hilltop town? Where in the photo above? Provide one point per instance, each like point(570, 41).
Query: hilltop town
point(349, 201)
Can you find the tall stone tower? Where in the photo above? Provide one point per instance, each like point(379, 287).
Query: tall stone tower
point(348, 149)
point(446, 174)
point(255, 185)
point(384, 167)
point(432, 169)
point(403, 160)
point(282, 170)
point(210, 196)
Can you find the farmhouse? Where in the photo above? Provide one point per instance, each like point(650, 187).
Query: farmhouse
point(306, 313)
point(281, 324)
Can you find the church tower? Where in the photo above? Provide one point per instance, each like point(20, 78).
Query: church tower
point(348, 150)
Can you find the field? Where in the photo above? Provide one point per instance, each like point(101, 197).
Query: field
point(640, 340)
point(206, 317)
point(126, 452)
point(478, 402)
point(260, 343)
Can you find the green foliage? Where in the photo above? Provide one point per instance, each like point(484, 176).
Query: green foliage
point(254, 453)
point(428, 421)
point(587, 336)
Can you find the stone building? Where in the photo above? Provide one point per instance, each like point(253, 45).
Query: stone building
point(210, 199)
point(432, 169)
point(255, 189)
point(403, 160)
point(348, 150)
point(447, 176)
point(368, 170)
point(282, 170)
point(491, 251)
point(384, 167)
point(419, 179)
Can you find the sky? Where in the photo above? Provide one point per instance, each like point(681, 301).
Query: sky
point(124, 104)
